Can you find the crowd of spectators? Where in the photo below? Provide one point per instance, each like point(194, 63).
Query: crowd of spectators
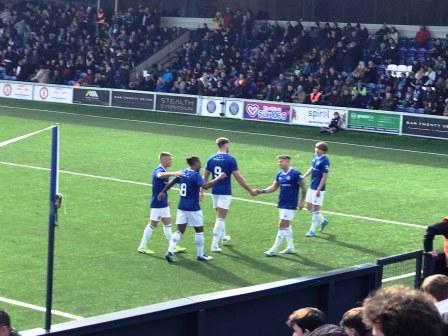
point(327, 64)
point(390, 311)
point(70, 44)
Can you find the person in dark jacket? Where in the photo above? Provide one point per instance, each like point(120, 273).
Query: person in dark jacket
point(334, 126)
point(439, 264)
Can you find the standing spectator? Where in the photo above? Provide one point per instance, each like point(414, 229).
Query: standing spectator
point(422, 36)
point(401, 311)
point(218, 21)
point(438, 229)
point(5, 325)
point(352, 323)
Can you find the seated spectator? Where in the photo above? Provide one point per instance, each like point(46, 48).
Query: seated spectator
point(311, 322)
point(388, 103)
point(334, 126)
point(422, 36)
point(437, 286)
point(352, 323)
point(314, 97)
point(5, 325)
point(401, 311)
point(299, 96)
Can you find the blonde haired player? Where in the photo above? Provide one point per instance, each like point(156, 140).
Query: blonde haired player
point(160, 210)
point(320, 167)
point(290, 181)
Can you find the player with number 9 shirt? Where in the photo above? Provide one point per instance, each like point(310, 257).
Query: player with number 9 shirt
point(223, 162)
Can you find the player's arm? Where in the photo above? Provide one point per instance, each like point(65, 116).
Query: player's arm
point(302, 186)
point(206, 176)
point(162, 194)
point(322, 183)
point(308, 172)
point(162, 175)
point(242, 182)
point(272, 188)
point(209, 184)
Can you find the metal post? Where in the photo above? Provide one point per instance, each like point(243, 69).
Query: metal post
point(116, 7)
point(52, 222)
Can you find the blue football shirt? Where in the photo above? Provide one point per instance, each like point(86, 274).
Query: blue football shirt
point(189, 188)
point(222, 163)
point(289, 188)
point(321, 166)
point(157, 186)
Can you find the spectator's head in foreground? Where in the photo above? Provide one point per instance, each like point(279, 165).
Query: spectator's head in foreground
point(352, 323)
point(401, 311)
point(305, 320)
point(437, 286)
point(5, 324)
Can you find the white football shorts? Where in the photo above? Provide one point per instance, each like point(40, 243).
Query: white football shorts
point(221, 201)
point(158, 213)
point(192, 218)
point(286, 214)
point(313, 199)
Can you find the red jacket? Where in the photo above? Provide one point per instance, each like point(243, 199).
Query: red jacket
point(423, 35)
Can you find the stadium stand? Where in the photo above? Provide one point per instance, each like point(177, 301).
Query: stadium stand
point(327, 64)
point(65, 44)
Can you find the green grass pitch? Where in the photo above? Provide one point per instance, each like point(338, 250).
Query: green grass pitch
point(98, 269)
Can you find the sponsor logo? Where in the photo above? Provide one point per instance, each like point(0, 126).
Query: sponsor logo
point(43, 93)
point(211, 107)
point(92, 94)
point(234, 108)
point(7, 90)
point(269, 112)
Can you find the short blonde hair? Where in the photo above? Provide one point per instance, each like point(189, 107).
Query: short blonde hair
point(164, 154)
point(283, 157)
point(222, 141)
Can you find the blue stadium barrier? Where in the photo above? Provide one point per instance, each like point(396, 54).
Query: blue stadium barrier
point(257, 310)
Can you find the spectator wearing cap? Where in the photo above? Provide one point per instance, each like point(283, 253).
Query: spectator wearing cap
point(401, 311)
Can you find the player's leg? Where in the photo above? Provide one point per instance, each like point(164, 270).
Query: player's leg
point(284, 232)
point(181, 222)
point(221, 203)
point(168, 233)
point(154, 219)
point(323, 222)
point(310, 204)
point(195, 219)
point(317, 218)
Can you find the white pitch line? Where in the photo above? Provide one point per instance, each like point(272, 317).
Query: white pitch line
point(16, 139)
point(235, 198)
point(225, 130)
point(398, 277)
point(39, 308)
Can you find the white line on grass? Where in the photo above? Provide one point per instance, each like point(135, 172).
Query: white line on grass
point(16, 139)
point(39, 308)
point(235, 198)
point(225, 130)
point(398, 277)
